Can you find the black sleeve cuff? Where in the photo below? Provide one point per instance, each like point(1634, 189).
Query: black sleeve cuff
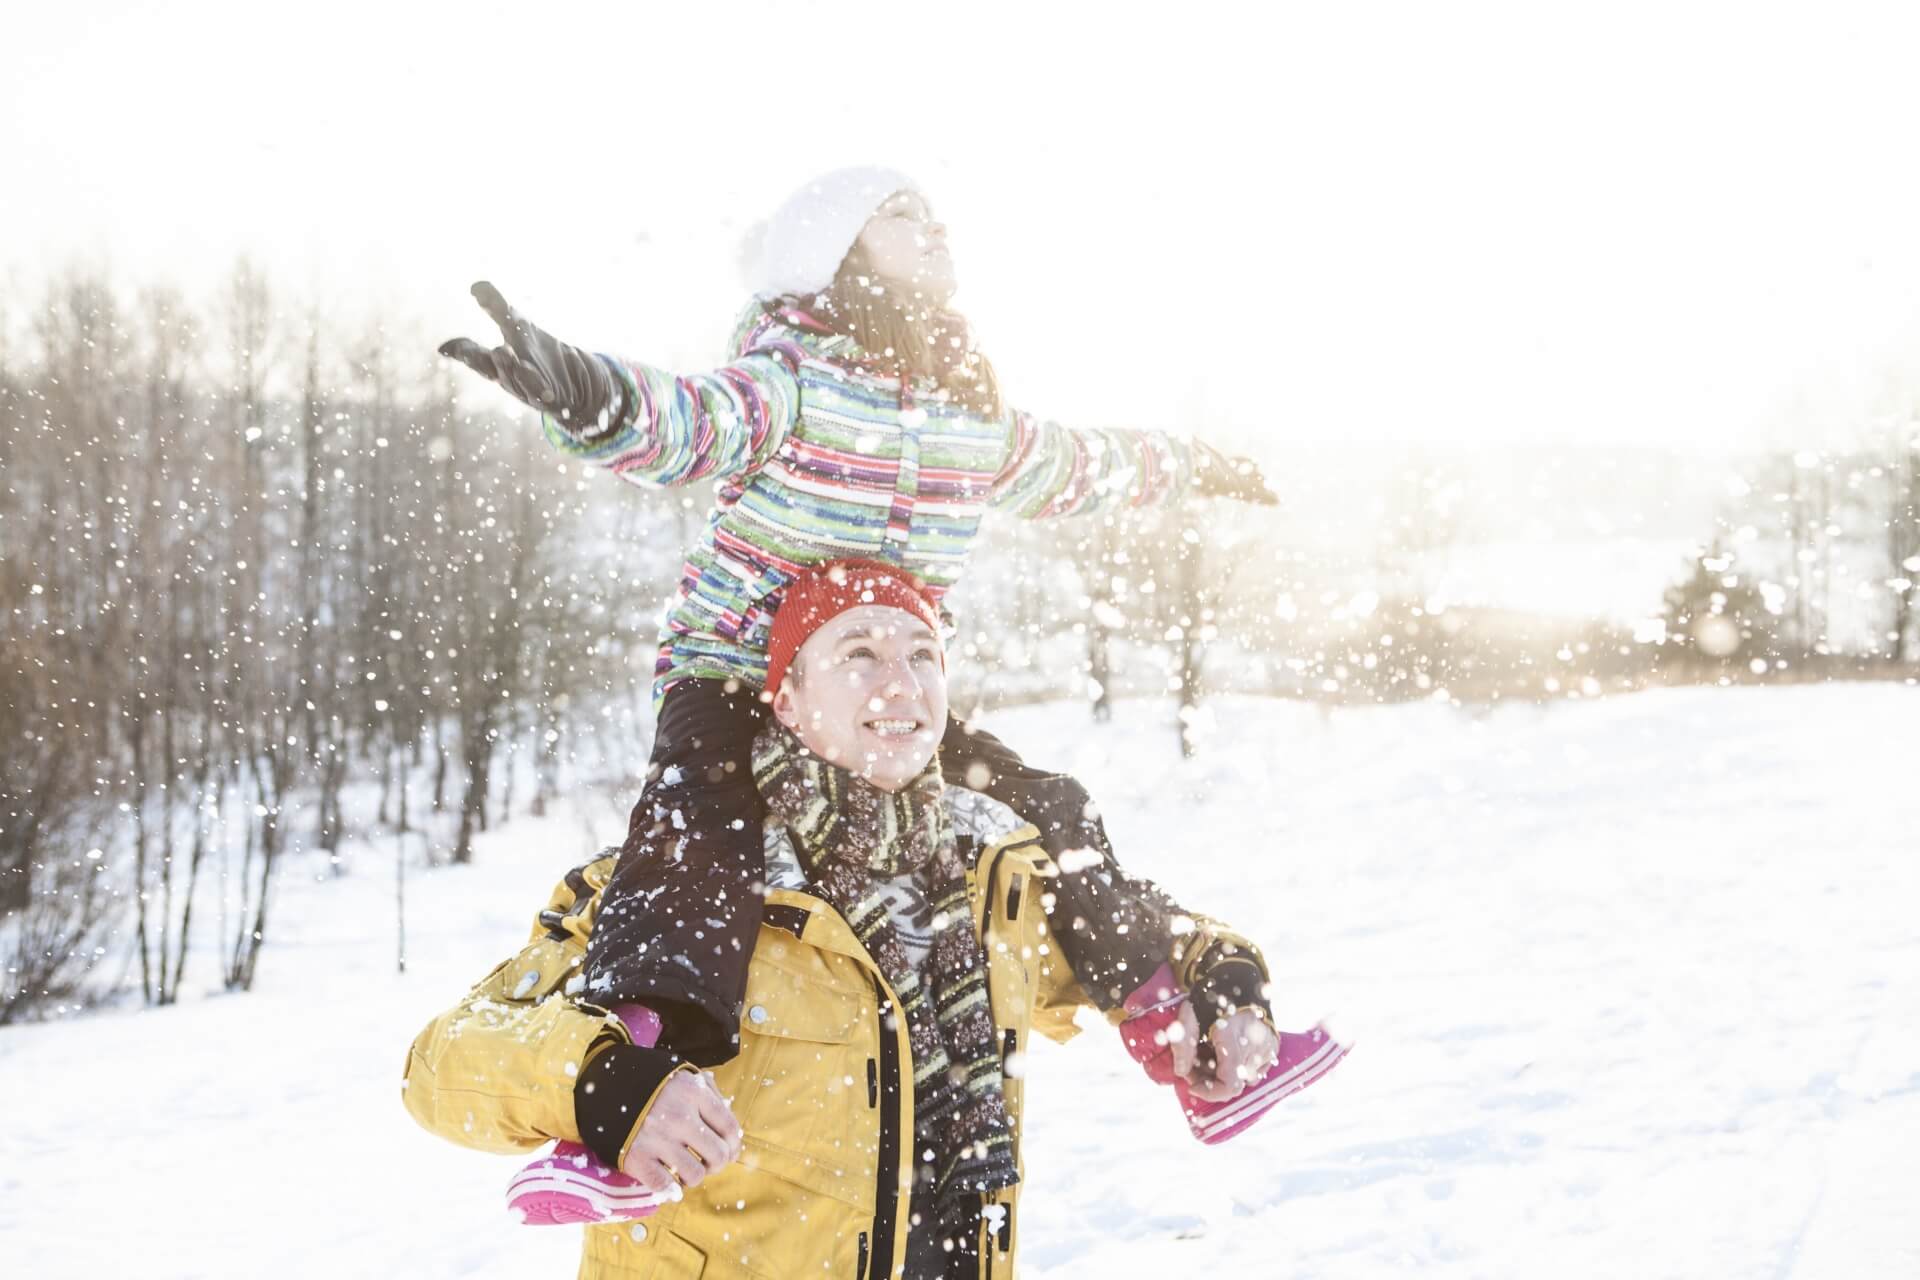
point(1231, 984)
point(610, 384)
point(695, 1028)
point(612, 1091)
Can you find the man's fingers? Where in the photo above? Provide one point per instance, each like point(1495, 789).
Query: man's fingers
point(719, 1117)
point(1182, 1036)
point(687, 1168)
point(699, 1127)
point(1208, 1089)
point(1181, 1047)
point(690, 1129)
point(715, 1152)
point(667, 1148)
point(1263, 1046)
point(1245, 1048)
point(649, 1173)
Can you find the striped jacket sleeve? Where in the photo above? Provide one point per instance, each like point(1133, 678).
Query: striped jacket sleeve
point(679, 429)
point(1051, 470)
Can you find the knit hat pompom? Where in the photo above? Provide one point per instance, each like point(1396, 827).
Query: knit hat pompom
point(818, 595)
point(798, 249)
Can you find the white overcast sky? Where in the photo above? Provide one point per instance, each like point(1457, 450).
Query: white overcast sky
point(1602, 223)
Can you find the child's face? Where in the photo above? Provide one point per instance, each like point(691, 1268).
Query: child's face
point(871, 695)
point(908, 248)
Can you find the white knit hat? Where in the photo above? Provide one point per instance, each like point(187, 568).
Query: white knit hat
point(801, 246)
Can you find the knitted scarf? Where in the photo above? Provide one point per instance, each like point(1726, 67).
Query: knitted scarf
point(846, 831)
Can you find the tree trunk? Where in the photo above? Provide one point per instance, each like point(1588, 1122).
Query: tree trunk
point(169, 714)
point(1903, 544)
point(400, 881)
point(473, 805)
point(137, 742)
point(193, 874)
point(439, 764)
point(1189, 578)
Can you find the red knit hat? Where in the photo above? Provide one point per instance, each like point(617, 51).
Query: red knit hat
point(824, 592)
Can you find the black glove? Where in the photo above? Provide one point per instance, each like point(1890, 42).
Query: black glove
point(1215, 475)
point(572, 385)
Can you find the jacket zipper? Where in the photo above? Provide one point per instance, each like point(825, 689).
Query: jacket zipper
point(886, 1192)
point(988, 1258)
point(887, 1162)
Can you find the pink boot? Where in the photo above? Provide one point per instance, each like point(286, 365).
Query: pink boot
point(1151, 1009)
point(1304, 1058)
point(1155, 1006)
point(570, 1185)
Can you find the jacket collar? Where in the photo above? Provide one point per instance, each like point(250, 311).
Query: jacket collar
point(789, 331)
point(786, 330)
point(823, 927)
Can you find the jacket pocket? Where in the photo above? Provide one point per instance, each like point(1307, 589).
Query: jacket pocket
point(539, 970)
point(643, 1248)
point(1016, 931)
point(797, 1006)
point(799, 1084)
point(751, 1225)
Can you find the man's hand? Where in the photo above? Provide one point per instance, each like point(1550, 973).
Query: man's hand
point(1244, 1049)
point(1183, 1039)
point(538, 369)
point(689, 1134)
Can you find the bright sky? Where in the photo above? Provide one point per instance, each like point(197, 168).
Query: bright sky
point(1327, 223)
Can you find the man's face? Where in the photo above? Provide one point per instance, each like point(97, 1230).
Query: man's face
point(868, 692)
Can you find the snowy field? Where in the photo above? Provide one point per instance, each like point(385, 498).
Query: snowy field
point(1635, 985)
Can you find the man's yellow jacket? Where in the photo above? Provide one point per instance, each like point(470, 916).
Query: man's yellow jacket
point(822, 1085)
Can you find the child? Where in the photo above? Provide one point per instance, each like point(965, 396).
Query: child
point(858, 418)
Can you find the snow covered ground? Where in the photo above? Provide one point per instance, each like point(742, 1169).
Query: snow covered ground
point(1635, 985)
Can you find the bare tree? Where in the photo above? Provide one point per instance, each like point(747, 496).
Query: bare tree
point(496, 576)
point(259, 673)
point(1093, 556)
point(61, 570)
point(271, 581)
point(157, 609)
point(1902, 528)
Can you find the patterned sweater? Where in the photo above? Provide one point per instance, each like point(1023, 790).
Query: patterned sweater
point(818, 459)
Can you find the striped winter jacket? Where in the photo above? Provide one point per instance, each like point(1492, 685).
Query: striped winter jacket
point(819, 459)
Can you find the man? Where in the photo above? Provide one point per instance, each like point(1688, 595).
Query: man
point(868, 1125)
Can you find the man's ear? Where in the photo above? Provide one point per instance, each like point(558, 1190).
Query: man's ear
point(785, 709)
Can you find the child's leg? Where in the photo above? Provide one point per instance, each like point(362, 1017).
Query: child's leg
point(1093, 897)
point(676, 925)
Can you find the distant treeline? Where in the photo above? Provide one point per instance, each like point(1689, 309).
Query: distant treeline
point(252, 565)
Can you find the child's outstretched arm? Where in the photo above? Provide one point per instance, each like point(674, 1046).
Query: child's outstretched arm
point(645, 425)
point(1051, 470)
